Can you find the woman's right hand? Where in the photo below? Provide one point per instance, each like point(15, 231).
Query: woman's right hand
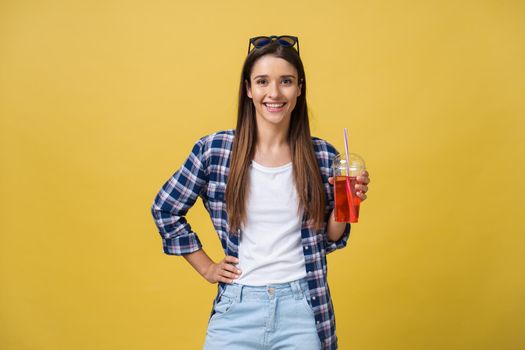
point(223, 271)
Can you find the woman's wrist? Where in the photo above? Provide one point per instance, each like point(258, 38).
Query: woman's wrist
point(335, 229)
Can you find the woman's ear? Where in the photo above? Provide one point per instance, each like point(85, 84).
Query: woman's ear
point(300, 88)
point(248, 89)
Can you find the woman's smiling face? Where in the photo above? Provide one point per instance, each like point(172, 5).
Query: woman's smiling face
point(274, 90)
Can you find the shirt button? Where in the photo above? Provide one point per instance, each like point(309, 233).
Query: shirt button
point(306, 247)
point(313, 298)
point(317, 322)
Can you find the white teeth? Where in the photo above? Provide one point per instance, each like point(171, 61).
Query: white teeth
point(272, 105)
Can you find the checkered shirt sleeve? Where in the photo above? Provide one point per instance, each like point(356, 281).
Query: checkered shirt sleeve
point(174, 200)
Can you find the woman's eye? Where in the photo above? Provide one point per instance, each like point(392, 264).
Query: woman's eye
point(287, 81)
point(261, 81)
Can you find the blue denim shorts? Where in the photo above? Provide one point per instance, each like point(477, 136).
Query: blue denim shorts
point(275, 316)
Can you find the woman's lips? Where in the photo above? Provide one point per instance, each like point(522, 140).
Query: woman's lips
point(274, 107)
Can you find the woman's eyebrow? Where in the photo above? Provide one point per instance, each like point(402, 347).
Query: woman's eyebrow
point(266, 75)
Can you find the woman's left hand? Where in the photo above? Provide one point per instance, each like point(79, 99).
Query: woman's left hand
point(361, 187)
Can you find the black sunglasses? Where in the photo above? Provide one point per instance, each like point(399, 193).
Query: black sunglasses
point(283, 40)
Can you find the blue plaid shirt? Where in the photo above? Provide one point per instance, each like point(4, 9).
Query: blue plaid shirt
point(204, 174)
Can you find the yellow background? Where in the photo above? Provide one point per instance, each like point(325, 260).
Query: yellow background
point(101, 101)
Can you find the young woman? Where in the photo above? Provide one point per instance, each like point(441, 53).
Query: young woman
point(268, 189)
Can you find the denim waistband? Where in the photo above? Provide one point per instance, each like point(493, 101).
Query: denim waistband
point(239, 292)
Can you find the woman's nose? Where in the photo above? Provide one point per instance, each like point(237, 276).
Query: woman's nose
point(275, 90)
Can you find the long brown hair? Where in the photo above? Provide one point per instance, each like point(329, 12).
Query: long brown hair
point(307, 177)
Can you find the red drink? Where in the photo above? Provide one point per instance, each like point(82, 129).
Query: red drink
point(346, 200)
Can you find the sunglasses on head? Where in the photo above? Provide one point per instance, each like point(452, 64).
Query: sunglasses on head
point(283, 40)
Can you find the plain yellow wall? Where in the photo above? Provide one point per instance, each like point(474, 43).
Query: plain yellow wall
point(100, 102)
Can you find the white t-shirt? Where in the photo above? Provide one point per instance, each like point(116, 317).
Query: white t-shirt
point(270, 249)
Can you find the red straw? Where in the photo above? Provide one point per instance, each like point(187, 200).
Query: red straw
point(349, 193)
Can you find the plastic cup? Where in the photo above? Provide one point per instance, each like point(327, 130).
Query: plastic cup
point(346, 201)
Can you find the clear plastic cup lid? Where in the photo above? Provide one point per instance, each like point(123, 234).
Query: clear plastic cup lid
point(356, 164)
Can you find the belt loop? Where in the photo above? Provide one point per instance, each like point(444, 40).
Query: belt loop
point(238, 292)
point(296, 288)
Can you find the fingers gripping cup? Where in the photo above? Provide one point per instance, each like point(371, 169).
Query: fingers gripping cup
point(346, 200)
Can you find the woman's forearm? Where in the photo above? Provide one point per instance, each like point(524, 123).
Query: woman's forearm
point(200, 261)
point(335, 229)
